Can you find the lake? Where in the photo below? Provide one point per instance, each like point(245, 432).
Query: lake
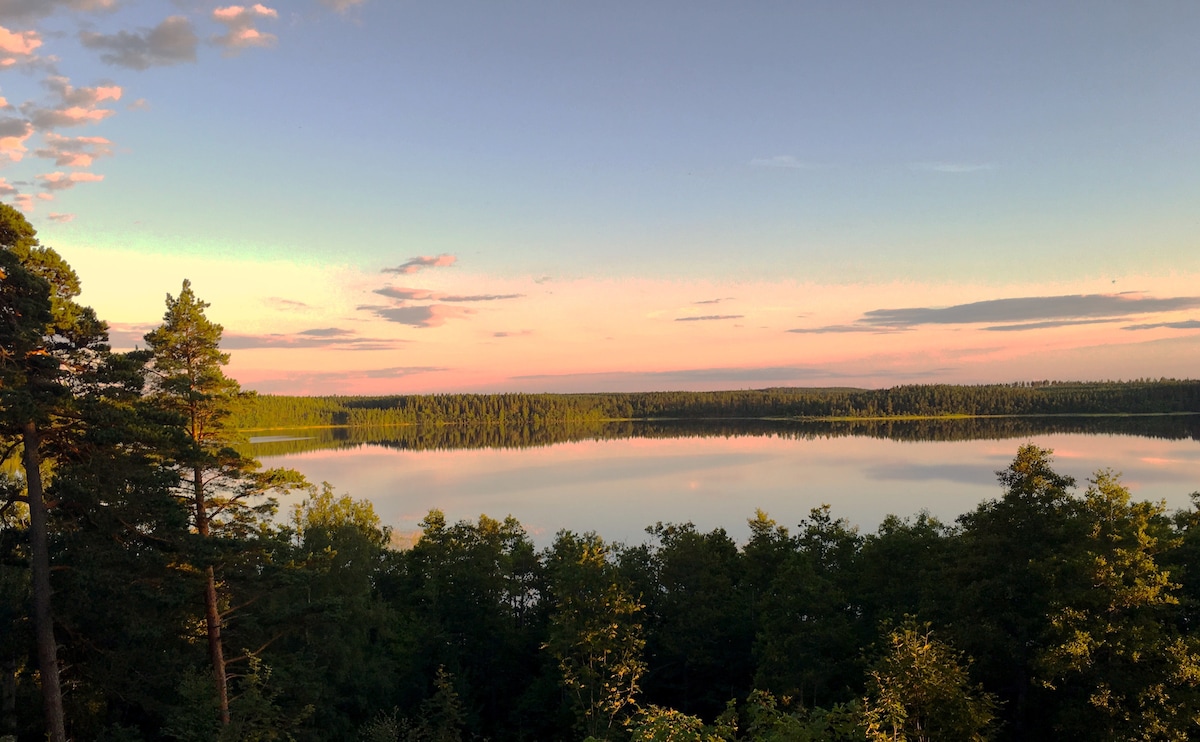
point(618, 478)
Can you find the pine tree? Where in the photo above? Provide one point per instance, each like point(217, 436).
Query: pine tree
point(221, 486)
point(48, 345)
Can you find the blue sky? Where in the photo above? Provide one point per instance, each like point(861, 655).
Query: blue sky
point(600, 173)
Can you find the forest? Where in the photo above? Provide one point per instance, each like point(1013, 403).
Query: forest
point(1147, 396)
point(153, 587)
point(466, 436)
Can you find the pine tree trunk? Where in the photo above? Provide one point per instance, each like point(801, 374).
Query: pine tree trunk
point(43, 621)
point(216, 652)
point(212, 612)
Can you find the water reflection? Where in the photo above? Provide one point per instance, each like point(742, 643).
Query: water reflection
point(621, 478)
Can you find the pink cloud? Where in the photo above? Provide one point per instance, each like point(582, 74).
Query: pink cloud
point(7, 189)
point(24, 202)
point(404, 294)
point(77, 106)
point(240, 21)
point(47, 118)
point(61, 218)
point(13, 133)
point(433, 315)
point(17, 46)
point(63, 181)
point(74, 151)
point(412, 265)
point(83, 97)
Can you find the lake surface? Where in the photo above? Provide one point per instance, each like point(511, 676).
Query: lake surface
point(617, 479)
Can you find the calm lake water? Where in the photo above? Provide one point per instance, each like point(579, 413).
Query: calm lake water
point(619, 483)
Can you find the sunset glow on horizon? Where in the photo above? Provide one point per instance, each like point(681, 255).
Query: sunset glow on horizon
point(382, 198)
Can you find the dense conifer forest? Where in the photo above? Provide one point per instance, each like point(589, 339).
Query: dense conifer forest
point(450, 437)
point(934, 400)
point(151, 586)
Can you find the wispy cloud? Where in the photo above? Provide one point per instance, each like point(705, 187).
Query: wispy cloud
point(953, 167)
point(341, 6)
point(714, 301)
point(171, 42)
point(432, 315)
point(412, 265)
point(1015, 314)
point(1189, 324)
point(785, 162)
point(401, 293)
point(839, 329)
point(1029, 309)
point(332, 338)
point(404, 294)
point(331, 381)
point(690, 375)
point(396, 372)
point(29, 10)
point(1048, 324)
point(478, 297)
point(709, 318)
point(125, 335)
point(327, 332)
point(287, 305)
point(240, 23)
point(61, 218)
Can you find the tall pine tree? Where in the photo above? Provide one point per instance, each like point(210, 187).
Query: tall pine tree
point(48, 345)
point(220, 486)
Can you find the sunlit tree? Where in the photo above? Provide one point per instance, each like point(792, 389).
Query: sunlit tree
point(222, 487)
point(49, 345)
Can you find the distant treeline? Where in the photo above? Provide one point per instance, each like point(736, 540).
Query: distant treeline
point(452, 437)
point(926, 400)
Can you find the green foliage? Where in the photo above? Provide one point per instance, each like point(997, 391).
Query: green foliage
point(323, 514)
point(901, 570)
point(1114, 652)
point(698, 623)
point(1012, 560)
point(256, 715)
point(221, 488)
point(809, 622)
point(441, 718)
point(919, 690)
point(193, 717)
point(658, 724)
point(594, 635)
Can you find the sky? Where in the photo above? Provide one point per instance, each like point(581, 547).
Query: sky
point(392, 196)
